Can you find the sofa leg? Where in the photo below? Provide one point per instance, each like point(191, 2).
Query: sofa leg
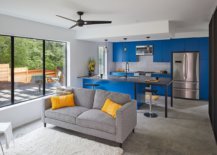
point(133, 130)
point(120, 145)
point(45, 125)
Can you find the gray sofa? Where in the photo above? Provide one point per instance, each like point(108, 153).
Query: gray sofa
point(86, 117)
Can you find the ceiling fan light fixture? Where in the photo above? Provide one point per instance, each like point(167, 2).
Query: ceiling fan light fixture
point(81, 22)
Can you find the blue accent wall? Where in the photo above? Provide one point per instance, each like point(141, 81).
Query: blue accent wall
point(163, 51)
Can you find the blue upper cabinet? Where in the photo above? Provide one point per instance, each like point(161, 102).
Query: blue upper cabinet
point(119, 55)
point(162, 49)
point(177, 45)
point(192, 44)
point(204, 48)
point(157, 51)
point(166, 50)
point(131, 52)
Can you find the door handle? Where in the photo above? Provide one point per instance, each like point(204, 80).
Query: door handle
point(186, 66)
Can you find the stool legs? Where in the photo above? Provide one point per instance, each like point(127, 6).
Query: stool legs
point(150, 113)
point(2, 148)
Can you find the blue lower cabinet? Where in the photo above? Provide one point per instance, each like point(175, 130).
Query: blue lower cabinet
point(121, 74)
point(136, 91)
point(113, 86)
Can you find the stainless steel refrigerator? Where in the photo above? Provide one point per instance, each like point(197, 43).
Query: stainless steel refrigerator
point(186, 75)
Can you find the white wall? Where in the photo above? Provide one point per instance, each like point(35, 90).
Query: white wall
point(80, 52)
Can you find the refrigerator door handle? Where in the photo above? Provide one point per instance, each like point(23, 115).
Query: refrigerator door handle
point(184, 68)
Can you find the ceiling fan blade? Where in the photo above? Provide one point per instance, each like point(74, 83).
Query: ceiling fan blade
point(73, 26)
point(96, 22)
point(66, 18)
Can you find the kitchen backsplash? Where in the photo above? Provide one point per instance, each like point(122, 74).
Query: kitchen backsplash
point(145, 63)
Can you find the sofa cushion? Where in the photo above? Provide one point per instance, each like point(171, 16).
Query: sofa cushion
point(67, 114)
point(102, 95)
point(84, 97)
point(119, 98)
point(96, 119)
point(100, 98)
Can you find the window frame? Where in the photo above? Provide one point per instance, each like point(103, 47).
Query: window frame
point(12, 41)
point(105, 59)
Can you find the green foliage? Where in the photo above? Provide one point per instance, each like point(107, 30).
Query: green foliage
point(28, 53)
point(5, 48)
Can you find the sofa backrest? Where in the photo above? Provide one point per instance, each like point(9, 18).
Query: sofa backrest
point(84, 97)
point(102, 95)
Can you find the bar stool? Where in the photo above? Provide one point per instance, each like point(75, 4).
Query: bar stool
point(149, 95)
point(93, 85)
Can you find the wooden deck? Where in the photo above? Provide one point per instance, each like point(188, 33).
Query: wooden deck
point(21, 75)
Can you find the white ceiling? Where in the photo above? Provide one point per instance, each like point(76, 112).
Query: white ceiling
point(188, 15)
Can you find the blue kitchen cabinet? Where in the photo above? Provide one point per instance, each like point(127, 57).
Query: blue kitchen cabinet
point(161, 90)
point(130, 74)
point(204, 48)
point(119, 55)
point(166, 51)
point(191, 44)
point(131, 52)
point(162, 51)
point(204, 79)
point(177, 45)
point(157, 51)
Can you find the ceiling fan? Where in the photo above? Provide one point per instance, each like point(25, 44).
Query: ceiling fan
point(81, 22)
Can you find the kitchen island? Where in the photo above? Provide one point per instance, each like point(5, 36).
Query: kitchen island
point(134, 86)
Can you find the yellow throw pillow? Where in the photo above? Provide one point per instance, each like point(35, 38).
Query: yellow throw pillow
point(62, 101)
point(110, 107)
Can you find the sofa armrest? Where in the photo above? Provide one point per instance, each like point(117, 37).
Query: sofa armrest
point(126, 119)
point(45, 105)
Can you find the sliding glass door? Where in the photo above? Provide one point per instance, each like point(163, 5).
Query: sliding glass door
point(5, 71)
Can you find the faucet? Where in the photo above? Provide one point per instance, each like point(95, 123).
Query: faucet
point(127, 69)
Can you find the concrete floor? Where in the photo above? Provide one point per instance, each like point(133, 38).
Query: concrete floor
point(186, 131)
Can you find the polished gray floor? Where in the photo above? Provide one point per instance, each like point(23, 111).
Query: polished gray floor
point(186, 131)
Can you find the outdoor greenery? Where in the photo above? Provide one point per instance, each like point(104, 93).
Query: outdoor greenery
point(28, 53)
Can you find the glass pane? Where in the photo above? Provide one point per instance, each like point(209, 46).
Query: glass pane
point(28, 69)
point(55, 65)
point(5, 68)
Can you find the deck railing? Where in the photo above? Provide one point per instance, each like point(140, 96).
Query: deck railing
point(22, 74)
